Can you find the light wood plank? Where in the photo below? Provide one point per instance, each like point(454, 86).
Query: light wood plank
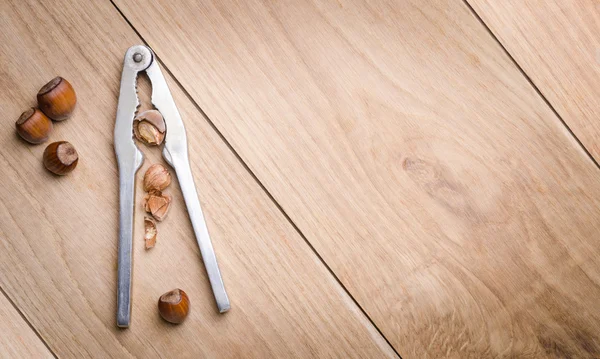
point(59, 235)
point(413, 155)
point(557, 43)
point(18, 340)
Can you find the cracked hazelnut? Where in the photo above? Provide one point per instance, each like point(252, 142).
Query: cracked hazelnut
point(33, 126)
point(157, 205)
point(60, 157)
point(57, 99)
point(149, 127)
point(149, 232)
point(174, 306)
point(157, 178)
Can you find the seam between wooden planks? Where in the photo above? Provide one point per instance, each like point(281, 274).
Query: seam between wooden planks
point(38, 335)
point(258, 181)
point(528, 78)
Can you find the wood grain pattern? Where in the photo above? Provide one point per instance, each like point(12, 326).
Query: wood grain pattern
point(557, 43)
point(58, 236)
point(414, 156)
point(18, 340)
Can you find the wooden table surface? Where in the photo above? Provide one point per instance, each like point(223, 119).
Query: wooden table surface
point(390, 178)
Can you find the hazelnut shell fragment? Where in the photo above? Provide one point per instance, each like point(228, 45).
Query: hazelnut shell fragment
point(149, 232)
point(156, 178)
point(149, 127)
point(157, 205)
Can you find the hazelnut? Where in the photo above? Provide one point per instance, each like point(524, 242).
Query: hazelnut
point(60, 157)
point(157, 205)
point(57, 99)
point(149, 232)
point(157, 178)
point(149, 127)
point(33, 126)
point(174, 306)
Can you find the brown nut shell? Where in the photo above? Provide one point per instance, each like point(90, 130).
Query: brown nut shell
point(33, 126)
point(149, 127)
point(60, 157)
point(149, 232)
point(157, 205)
point(156, 178)
point(174, 306)
point(57, 99)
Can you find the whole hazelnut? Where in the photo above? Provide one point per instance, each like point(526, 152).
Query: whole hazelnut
point(157, 178)
point(33, 126)
point(57, 99)
point(174, 306)
point(60, 157)
point(149, 127)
